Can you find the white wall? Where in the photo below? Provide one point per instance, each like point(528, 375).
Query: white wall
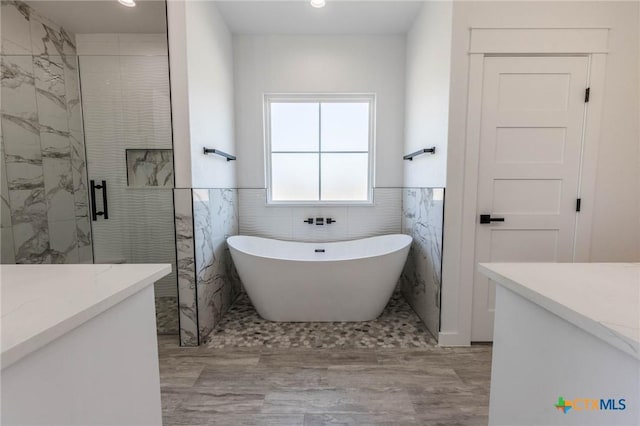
point(427, 94)
point(616, 227)
point(310, 64)
point(200, 46)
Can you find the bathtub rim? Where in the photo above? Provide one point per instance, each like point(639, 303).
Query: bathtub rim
point(320, 260)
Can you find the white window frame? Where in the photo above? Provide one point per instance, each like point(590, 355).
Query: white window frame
point(369, 98)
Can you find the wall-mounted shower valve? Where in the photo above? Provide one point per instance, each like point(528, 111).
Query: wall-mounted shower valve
point(309, 221)
point(319, 221)
point(330, 221)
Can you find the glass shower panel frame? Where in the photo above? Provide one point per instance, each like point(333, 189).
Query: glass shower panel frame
point(127, 123)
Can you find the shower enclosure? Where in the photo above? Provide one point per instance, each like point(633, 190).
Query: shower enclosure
point(87, 160)
point(127, 127)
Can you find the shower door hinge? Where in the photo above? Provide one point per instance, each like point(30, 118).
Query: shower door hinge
point(578, 202)
point(587, 92)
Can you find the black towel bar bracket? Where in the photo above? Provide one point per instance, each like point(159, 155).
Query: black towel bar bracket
point(410, 157)
point(229, 157)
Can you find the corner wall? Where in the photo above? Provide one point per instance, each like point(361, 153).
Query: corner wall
point(426, 125)
point(205, 198)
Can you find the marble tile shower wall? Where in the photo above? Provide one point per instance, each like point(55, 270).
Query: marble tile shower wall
point(44, 184)
point(207, 280)
point(421, 280)
point(352, 222)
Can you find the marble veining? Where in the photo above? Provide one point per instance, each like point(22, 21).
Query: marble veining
point(215, 219)
point(43, 143)
point(422, 218)
point(188, 311)
point(150, 168)
point(167, 315)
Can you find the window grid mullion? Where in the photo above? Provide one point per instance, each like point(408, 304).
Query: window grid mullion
point(319, 151)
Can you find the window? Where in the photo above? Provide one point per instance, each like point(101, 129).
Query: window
point(319, 149)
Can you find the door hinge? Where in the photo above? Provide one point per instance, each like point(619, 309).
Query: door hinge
point(587, 92)
point(578, 202)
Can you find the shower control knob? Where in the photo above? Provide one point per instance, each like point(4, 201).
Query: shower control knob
point(330, 221)
point(309, 221)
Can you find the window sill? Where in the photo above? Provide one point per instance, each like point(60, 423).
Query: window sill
point(368, 203)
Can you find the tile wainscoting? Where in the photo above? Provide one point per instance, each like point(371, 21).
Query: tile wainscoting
point(215, 217)
point(44, 183)
point(207, 281)
point(421, 280)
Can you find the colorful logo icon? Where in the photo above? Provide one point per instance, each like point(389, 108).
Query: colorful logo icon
point(590, 404)
point(563, 405)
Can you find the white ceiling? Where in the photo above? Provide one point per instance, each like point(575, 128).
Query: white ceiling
point(99, 16)
point(337, 17)
point(242, 16)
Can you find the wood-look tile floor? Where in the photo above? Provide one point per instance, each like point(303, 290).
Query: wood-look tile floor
point(306, 386)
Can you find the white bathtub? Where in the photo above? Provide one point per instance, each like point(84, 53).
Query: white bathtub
point(292, 281)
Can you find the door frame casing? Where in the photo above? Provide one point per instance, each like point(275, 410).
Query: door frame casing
point(589, 42)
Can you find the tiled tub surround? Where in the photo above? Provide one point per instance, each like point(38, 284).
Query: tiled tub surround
point(207, 280)
point(215, 217)
point(44, 190)
point(422, 218)
point(186, 266)
point(352, 222)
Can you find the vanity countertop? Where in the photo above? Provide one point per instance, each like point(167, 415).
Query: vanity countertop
point(40, 303)
point(603, 299)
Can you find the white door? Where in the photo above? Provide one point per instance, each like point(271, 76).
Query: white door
point(533, 111)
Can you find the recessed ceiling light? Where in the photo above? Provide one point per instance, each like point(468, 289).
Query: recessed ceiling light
point(318, 3)
point(128, 3)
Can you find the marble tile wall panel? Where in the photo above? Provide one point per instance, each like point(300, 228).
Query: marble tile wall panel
point(352, 222)
point(422, 218)
point(167, 315)
point(7, 254)
point(16, 28)
point(150, 168)
point(43, 159)
point(185, 250)
point(215, 218)
point(5, 210)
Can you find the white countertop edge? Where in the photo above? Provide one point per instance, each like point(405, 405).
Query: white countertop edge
point(11, 355)
point(598, 329)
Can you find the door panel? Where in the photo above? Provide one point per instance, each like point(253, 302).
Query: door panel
point(530, 149)
point(127, 117)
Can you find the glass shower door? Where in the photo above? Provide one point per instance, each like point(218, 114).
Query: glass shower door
point(127, 123)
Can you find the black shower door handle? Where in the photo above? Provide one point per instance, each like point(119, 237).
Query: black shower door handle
point(105, 209)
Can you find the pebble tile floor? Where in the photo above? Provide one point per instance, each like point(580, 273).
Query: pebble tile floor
point(397, 327)
point(383, 372)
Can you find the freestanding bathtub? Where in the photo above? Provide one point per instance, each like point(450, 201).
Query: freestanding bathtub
point(341, 281)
